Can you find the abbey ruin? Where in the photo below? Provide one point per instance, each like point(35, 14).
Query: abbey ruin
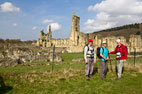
point(77, 39)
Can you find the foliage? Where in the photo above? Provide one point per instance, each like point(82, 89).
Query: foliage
point(138, 33)
point(136, 26)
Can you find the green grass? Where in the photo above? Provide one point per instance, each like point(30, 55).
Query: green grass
point(137, 53)
point(67, 78)
point(67, 57)
point(2, 49)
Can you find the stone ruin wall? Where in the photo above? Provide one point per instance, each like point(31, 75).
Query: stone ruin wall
point(135, 41)
point(60, 42)
point(77, 39)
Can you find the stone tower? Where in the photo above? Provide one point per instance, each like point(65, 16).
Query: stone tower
point(49, 37)
point(75, 23)
point(50, 33)
point(41, 37)
point(75, 29)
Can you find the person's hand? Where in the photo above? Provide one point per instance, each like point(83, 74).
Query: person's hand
point(124, 60)
point(86, 61)
point(107, 58)
point(94, 61)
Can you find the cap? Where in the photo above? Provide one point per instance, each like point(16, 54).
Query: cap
point(90, 40)
point(104, 42)
point(118, 40)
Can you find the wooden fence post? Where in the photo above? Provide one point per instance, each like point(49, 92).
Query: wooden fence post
point(53, 58)
point(134, 56)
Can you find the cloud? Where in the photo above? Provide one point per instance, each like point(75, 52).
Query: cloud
point(54, 26)
point(8, 7)
point(118, 7)
point(96, 26)
point(14, 24)
point(89, 21)
point(46, 21)
point(111, 13)
point(34, 28)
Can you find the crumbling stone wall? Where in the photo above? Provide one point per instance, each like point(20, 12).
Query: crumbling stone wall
point(77, 39)
point(135, 41)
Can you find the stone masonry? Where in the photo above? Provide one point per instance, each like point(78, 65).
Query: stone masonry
point(77, 39)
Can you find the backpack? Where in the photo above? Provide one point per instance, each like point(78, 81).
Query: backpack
point(126, 49)
point(84, 48)
point(87, 48)
point(98, 52)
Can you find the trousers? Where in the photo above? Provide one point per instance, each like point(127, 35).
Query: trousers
point(103, 69)
point(119, 66)
point(89, 67)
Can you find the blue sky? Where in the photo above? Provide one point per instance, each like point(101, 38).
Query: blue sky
point(23, 19)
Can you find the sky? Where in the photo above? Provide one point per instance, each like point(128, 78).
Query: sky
point(23, 19)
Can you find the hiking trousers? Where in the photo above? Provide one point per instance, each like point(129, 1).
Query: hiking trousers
point(119, 66)
point(89, 67)
point(103, 69)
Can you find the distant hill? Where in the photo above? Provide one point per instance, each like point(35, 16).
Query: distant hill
point(15, 41)
point(126, 31)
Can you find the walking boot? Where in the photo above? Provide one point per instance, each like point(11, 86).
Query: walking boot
point(90, 76)
point(87, 77)
point(118, 78)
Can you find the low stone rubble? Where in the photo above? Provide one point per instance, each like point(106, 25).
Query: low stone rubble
point(18, 55)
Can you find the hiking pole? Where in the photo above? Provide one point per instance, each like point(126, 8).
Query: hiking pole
point(110, 65)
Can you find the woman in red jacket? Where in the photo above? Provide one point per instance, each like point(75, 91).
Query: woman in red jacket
point(121, 56)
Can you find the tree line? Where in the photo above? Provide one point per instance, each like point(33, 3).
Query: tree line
point(130, 26)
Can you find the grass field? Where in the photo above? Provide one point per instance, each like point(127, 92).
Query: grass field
point(67, 78)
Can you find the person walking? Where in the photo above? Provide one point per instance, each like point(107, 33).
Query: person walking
point(90, 59)
point(104, 54)
point(121, 56)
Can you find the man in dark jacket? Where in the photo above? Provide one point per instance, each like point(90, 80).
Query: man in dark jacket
point(121, 56)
